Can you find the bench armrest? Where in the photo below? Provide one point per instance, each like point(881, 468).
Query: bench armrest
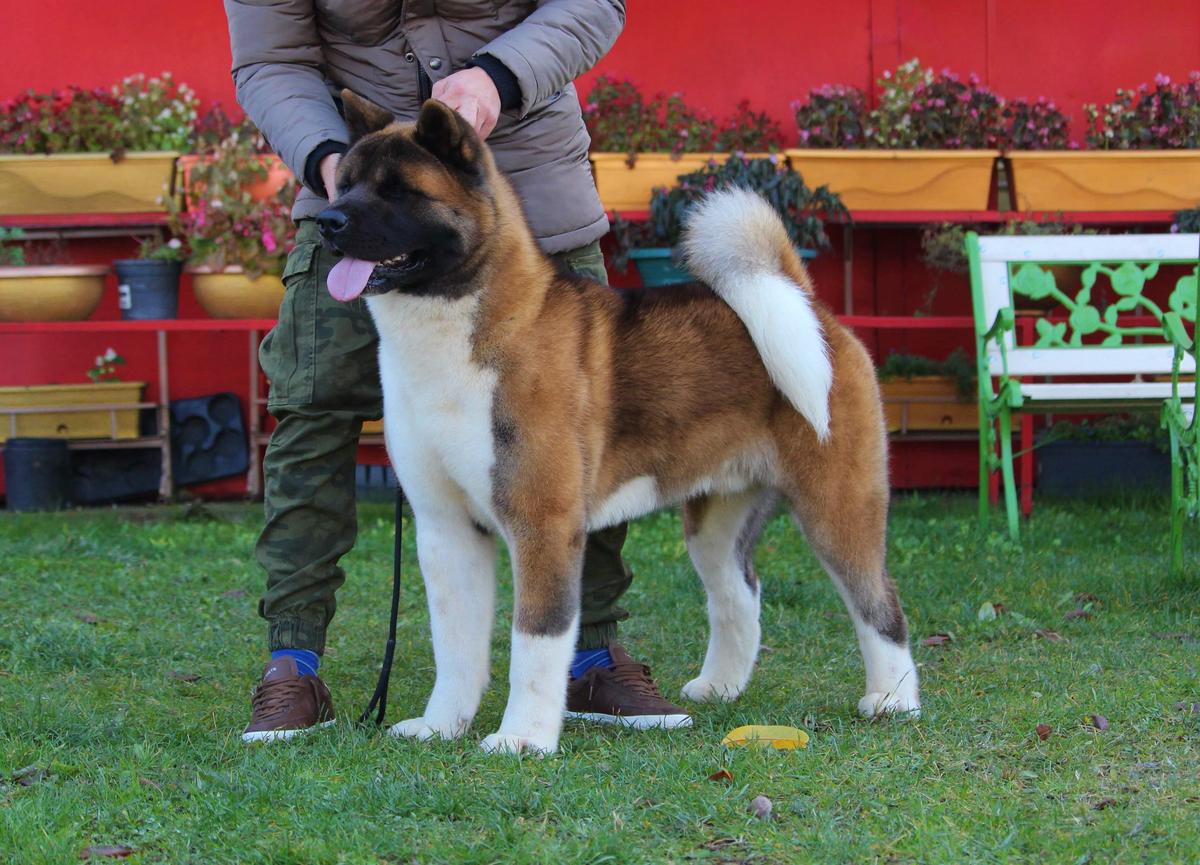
point(1005, 321)
point(1175, 332)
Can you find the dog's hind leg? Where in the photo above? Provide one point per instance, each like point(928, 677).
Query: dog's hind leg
point(458, 563)
point(846, 529)
point(721, 533)
point(547, 556)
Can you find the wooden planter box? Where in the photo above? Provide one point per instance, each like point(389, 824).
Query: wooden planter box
point(85, 183)
point(623, 187)
point(101, 423)
point(1105, 180)
point(229, 293)
point(51, 293)
point(900, 179)
point(925, 403)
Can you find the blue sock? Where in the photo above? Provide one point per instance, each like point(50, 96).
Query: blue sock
point(585, 659)
point(306, 662)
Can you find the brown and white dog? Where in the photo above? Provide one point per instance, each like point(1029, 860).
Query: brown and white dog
point(533, 404)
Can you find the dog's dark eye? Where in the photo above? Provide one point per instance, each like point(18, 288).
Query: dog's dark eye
point(398, 192)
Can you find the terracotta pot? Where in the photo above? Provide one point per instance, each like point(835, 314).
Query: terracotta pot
point(278, 176)
point(51, 293)
point(85, 183)
point(74, 424)
point(1105, 180)
point(623, 187)
point(900, 179)
point(229, 293)
point(927, 402)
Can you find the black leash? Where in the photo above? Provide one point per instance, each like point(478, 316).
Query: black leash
point(378, 703)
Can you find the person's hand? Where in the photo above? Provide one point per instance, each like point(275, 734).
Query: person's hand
point(472, 94)
point(328, 169)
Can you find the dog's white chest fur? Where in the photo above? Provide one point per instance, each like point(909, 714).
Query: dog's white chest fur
point(437, 399)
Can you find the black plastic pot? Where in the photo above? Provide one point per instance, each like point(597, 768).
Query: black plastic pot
point(148, 289)
point(1078, 469)
point(37, 474)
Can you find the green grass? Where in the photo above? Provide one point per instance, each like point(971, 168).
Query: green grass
point(134, 756)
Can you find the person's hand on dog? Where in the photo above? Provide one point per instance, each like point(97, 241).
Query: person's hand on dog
point(472, 94)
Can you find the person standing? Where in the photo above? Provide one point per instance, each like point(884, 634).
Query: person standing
point(507, 68)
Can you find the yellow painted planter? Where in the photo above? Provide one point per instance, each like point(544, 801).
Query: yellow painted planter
point(623, 187)
point(75, 424)
point(85, 183)
point(927, 402)
point(63, 293)
point(229, 293)
point(900, 179)
point(1105, 180)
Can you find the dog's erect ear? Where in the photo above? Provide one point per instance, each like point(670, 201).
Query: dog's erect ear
point(362, 115)
point(442, 131)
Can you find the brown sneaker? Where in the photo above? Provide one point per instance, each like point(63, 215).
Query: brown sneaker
point(286, 704)
point(623, 694)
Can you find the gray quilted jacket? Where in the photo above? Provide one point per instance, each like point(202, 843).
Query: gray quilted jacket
point(291, 56)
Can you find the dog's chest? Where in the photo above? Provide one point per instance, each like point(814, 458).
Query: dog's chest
point(435, 395)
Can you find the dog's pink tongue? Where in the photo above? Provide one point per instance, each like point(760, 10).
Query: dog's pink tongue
point(349, 277)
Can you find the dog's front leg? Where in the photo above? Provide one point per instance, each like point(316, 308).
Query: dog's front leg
point(458, 563)
point(547, 570)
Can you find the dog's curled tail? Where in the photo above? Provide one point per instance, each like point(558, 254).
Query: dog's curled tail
point(737, 244)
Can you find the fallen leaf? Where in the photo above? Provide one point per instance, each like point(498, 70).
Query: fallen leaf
point(183, 677)
point(723, 775)
point(937, 640)
point(987, 612)
point(29, 776)
point(1080, 613)
point(1190, 708)
point(234, 593)
point(5, 672)
point(1043, 731)
point(1103, 803)
point(1099, 722)
point(718, 843)
point(1047, 634)
point(760, 807)
point(112, 851)
point(1087, 598)
point(146, 782)
point(87, 618)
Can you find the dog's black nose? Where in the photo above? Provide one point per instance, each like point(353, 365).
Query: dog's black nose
point(331, 222)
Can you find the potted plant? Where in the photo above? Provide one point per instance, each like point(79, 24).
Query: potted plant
point(641, 143)
point(107, 150)
point(930, 144)
point(238, 243)
point(216, 127)
point(1116, 454)
point(804, 212)
point(1186, 221)
point(920, 393)
point(148, 286)
point(30, 292)
point(1143, 153)
point(106, 388)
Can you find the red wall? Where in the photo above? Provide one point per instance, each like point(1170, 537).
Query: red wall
point(717, 53)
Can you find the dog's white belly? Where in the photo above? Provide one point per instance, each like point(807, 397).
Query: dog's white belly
point(437, 401)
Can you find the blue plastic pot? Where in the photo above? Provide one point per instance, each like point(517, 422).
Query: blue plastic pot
point(656, 268)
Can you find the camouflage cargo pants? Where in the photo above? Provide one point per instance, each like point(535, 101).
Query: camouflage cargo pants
point(321, 361)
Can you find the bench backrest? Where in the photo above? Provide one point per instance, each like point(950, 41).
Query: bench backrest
point(1006, 269)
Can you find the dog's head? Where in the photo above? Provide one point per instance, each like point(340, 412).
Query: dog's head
point(414, 200)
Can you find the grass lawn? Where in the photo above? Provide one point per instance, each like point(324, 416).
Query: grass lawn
point(106, 616)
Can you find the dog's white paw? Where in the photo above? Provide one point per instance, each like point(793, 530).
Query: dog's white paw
point(899, 702)
point(422, 730)
point(504, 743)
point(703, 690)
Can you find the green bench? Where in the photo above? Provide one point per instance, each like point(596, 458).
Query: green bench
point(1092, 359)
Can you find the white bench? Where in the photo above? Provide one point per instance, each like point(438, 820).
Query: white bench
point(1112, 363)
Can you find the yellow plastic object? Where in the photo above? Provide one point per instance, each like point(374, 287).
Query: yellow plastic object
point(230, 293)
point(1106, 179)
point(85, 183)
point(758, 735)
point(625, 188)
point(51, 293)
point(101, 423)
point(900, 179)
